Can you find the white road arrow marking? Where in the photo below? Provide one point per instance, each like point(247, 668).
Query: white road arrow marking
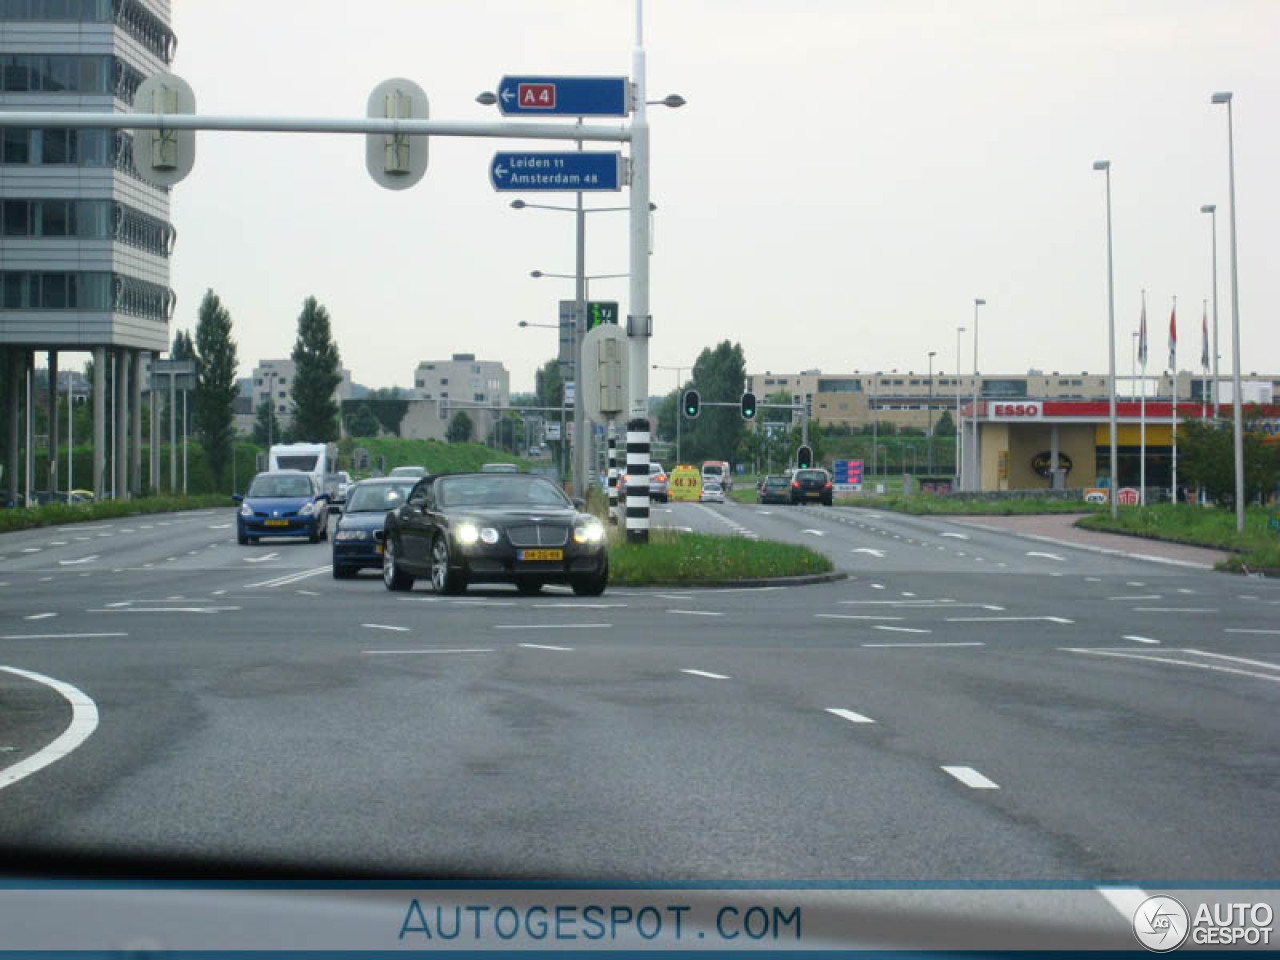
point(269, 556)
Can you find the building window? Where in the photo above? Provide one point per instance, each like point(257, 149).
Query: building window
point(444, 382)
point(479, 397)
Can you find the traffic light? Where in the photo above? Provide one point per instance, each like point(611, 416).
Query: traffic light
point(692, 404)
point(804, 458)
point(748, 406)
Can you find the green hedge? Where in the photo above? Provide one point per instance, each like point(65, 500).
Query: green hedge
point(25, 518)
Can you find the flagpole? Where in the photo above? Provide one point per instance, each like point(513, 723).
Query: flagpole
point(1204, 362)
point(1173, 391)
point(1142, 419)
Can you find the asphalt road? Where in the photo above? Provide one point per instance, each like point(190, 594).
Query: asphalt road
point(968, 706)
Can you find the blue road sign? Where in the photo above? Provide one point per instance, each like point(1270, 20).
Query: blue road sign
point(572, 96)
point(516, 171)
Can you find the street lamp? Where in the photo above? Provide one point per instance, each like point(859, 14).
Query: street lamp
point(932, 354)
point(975, 472)
point(1236, 413)
point(1105, 167)
point(1212, 210)
point(959, 431)
point(679, 383)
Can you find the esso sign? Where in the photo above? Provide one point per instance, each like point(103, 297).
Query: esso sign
point(1015, 411)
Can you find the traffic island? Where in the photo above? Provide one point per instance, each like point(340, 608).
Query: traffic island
point(1255, 550)
point(678, 558)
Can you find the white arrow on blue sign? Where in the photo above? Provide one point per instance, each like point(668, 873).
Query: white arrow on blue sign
point(519, 171)
point(572, 96)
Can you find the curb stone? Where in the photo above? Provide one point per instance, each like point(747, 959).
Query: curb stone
point(801, 581)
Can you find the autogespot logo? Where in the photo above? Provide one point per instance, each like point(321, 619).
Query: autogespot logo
point(1161, 924)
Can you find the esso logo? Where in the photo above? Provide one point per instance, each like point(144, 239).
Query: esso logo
point(1016, 411)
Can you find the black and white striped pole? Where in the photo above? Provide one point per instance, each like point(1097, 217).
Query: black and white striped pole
point(613, 473)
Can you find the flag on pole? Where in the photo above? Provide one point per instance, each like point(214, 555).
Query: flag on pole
point(1142, 333)
point(1173, 338)
point(1204, 338)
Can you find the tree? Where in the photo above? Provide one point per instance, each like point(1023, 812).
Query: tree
point(266, 428)
point(769, 412)
point(183, 348)
point(946, 426)
point(364, 423)
point(460, 428)
point(216, 388)
point(1206, 459)
point(317, 373)
point(549, 386)
point(718, 375)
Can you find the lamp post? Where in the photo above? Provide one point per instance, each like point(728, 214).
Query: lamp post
point(975, 471)
point(1105, 167)
point(1236, 412)
point(583, 286)
point(932, 354)
point(679, 413)
point(1133, 365)
point(564, 446)
point(1212, 210)
point(959, 434)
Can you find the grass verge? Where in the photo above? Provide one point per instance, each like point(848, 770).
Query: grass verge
point(1258, 547)
point(26, 518)
point(923, 504)
point(699, 558)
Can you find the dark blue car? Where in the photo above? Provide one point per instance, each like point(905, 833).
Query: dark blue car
point(283, 503)
point(354, 546)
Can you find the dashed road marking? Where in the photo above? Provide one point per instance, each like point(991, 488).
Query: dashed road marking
point(552, 626)
point(972, 778)
point(902, 629)
point(385, 626)
point(545, 646)
point(704, 673)
point(849, 715)
point(697, 613)
point(40, 616)
point(854, 616)
point(1137, 639)
point(959, 643)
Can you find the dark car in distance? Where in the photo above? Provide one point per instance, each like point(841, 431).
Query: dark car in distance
point(517, 528)
point(355, 544)
point(811, 486)
point(775, 488)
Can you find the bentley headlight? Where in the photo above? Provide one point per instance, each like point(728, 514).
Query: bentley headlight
point(467, 533)
point(590, 532)
point(489, 535)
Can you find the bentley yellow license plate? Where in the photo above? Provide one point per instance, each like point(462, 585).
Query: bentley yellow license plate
point(277, 523)
point(541, 555)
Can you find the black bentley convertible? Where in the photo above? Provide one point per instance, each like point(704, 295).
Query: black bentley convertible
point(459, 529)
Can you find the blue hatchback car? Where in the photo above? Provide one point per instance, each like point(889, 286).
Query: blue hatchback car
point(283, 503)
point(354, 546)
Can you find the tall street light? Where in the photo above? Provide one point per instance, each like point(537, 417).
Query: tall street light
point(974, 462)
point(1212, 210)
point(679, 413)
point(1105, 167)
point(932, 354)
point(1236, 412)
point(959, 425)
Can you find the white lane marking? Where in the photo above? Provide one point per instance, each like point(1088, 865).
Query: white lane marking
point(582, 606)
point(1047, 556)
point(902, 629)
point(84, 720)
point(384, 626)
point(849, 715)
point(30, 549)
point(289, 578)
point(1247, 630)
point(552, 626)
point(57, 543)
point(765, 513)
point(877, 586)
point(1185, 590)
point(1125, 900)
point(1136, 639)
point(907, 593)
point(40, 616)
point(72, 563)
point(1134, 583)
point(46, 579)
point(1007, 619)
point(972, 778)
point(674, 596)
point(545, 646)
point(484, 603)
point(704, 673)
point(878, 554)
point(120, 603)
point(219, 526)
point(1176, 609)
point(59, 636)
point(1093, 579)
point(163, 609)
point(1139, 596)
point(956, 536)
point(261, 559)
point(1002, 565)
point(436, 650)
point(969, 643)
point(218, 593)
point(106, 534)
point(816, 533)
point(308, 593)
point(1181, 663)
point(697, 613)
point(854, 616)
point(1222, 656)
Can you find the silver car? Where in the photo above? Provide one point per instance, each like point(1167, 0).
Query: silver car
point(658, 483)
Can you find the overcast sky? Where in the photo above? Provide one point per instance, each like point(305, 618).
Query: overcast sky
point(847, 176)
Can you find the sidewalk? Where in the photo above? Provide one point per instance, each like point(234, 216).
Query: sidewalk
point(1059, 527)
